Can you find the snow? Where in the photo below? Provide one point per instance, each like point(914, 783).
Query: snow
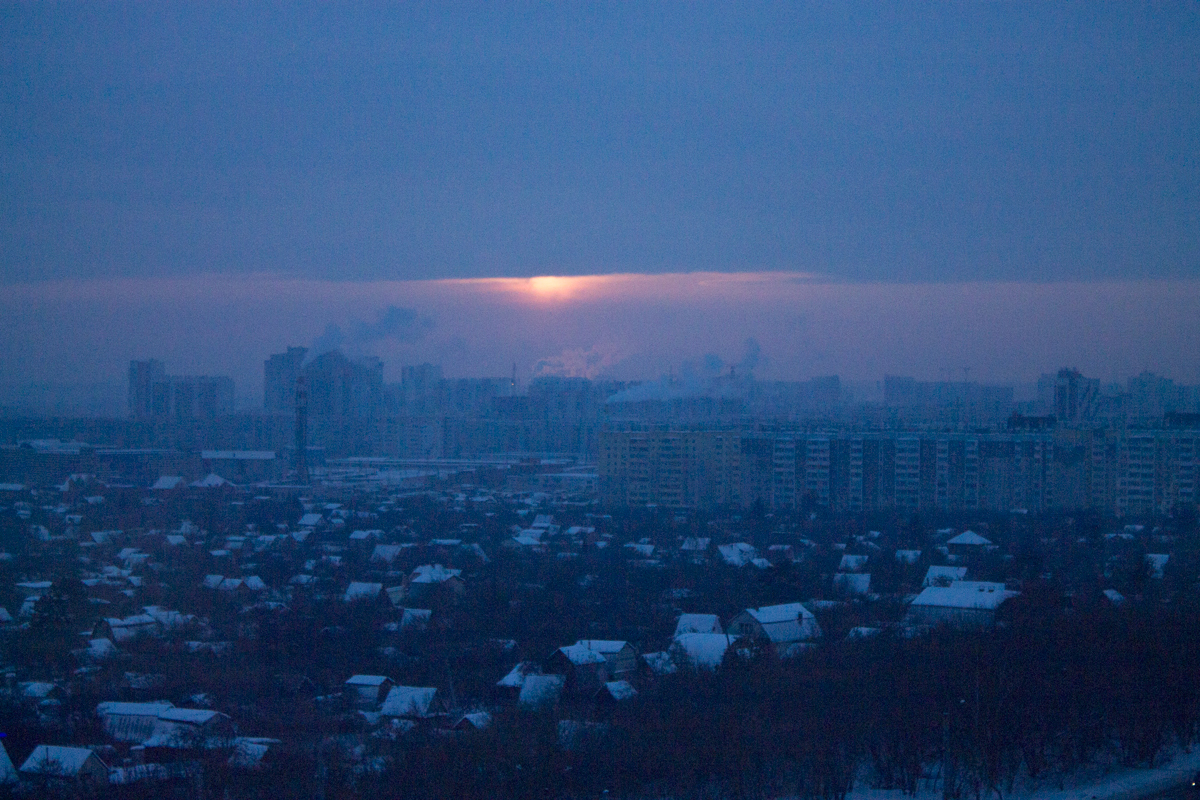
point(408, 701)
point(969, 538)
point(705, 650)
point(1122, 784)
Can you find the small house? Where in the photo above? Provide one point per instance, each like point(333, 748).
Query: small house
point(367, 692)
point(781, 625)
point(74, 764)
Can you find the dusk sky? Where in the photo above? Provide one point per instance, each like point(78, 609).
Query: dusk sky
point(867, 189)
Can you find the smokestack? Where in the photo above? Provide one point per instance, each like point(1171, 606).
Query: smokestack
point(301, 432)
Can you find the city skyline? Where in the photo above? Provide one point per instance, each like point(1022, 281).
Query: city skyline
point(626, 327)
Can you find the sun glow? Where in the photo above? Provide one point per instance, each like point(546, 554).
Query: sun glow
point(548, 286)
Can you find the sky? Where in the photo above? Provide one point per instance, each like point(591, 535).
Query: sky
point(1003, 183)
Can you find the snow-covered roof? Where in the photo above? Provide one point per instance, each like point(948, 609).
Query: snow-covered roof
point(408, 701)
point(738, 554)
point(705, 650)
point(781, 613)
point(976, 595)
point(310, 520)
point(908, 556)
point(579, 655)
point(621, 690)
point(119, 708)
point(969, 538)
point(386, 552)
point(605, 646)
point(433, 573)
point(367, 680)
point(517, 675)
point(210, 481)
point(56, 760)
point(189, 716)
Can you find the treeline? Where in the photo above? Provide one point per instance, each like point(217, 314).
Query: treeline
point(1061, 686)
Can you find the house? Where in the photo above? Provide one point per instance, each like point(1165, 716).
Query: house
point(621, 657)
point(368, 691)
point(1156, 563)
point(968, 542)
point(583, 668)
point(510, 685)
point(428, 577)
point(130, 722)
point(698, 623)
point(962, 604)
point(614, 692)
point(473, 721)
point(75, 764)
point(943, 576)
point(908, 556)
point(386, 553)
point(738, 554)
point(413, 702)
point(186, 728)
point(781, 625)
point(415, 619)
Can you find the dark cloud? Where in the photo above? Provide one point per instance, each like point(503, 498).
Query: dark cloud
point(888, 141)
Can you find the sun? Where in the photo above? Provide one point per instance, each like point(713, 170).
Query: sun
point(551, 286)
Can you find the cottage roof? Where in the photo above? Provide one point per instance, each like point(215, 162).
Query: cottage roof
point(57, 760)
point(969, 538)
point(967, 595)
point(605, 646)
point(366, 680)
point(119, 708)
point(781, 613)
point(408, 701)
point(621, 690)
point(189, 716)
point(433, 573)
point(579, 654)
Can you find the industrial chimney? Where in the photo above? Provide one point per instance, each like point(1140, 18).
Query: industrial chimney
point(301, 432)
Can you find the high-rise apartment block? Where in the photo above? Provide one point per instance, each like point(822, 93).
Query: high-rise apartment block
point(156, 395)
point(1108, 470)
